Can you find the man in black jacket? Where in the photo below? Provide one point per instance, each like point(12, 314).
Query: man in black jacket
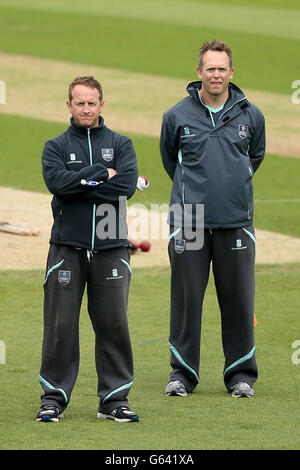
point(212, 142)
point(91, 172)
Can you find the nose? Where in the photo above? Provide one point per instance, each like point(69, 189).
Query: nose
point(86, 108)
point(217, 73)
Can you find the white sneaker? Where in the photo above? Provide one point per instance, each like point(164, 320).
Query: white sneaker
point(49, 413)
point(175, 387)
point(122, 414)
point(242, 389)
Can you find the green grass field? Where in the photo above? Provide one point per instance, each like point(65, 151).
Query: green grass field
point(159, 38)
point(152, 41)
point(209, 418)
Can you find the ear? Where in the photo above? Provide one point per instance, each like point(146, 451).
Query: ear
point(68, 105)
point(199, 72)
point(231, 73)
point(101, 106)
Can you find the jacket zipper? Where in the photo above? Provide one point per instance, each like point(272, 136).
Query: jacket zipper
point(208, 109)
point(211, 117)
point(236, 102)
point(182, 174)
point(94, 205)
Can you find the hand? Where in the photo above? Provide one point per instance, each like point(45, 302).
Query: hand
point(111, 172)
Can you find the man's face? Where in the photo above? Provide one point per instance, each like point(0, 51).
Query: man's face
point(215, 72)
point(85, 106)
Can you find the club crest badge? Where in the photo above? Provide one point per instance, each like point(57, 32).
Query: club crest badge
point(179, 245)
point(64, 277)
point(107, 154)
point(243, 131)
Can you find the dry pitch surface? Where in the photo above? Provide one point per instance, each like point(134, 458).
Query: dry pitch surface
point(33, 210)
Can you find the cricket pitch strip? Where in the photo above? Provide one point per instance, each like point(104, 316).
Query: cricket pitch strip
point(30, 209)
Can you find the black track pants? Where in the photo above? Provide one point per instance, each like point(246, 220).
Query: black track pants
point(232, 255)
point(107, 276)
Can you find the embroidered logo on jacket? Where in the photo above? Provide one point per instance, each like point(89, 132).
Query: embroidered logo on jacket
point(243, 131)
point(187, 132)
point(107, 154)
point(73, 159)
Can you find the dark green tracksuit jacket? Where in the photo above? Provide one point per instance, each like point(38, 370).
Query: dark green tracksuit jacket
point(78, 154)
point(211, 156)
point(212, 160)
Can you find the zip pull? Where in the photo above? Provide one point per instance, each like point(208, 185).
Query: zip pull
point(90, 146)
point(89, 254)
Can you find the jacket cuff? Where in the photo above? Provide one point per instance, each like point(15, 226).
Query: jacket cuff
point(104, 174)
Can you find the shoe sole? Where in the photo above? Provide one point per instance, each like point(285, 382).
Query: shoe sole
point(118, 420)
point(241, 395)
point(176, 394)
point(49, 419)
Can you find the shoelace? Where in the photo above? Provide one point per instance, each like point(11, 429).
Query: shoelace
point(119, 412)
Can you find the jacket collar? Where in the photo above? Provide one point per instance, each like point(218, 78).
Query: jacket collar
point(235, 93)
point(82, 131)
point(236, 102)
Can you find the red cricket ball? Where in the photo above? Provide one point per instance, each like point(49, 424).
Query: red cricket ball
point(145, 245)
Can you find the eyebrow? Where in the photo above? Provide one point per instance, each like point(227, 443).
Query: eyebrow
point(215, 67)
point(84, 101)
